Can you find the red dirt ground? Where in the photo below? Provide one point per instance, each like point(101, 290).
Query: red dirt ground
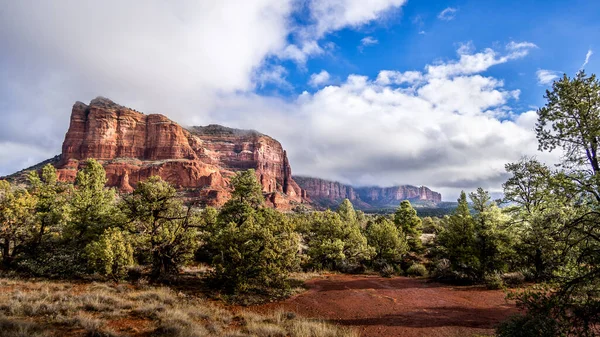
point(400, 306)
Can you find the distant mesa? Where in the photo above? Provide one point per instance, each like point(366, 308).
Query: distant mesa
point(326, 193)
point(199, 160)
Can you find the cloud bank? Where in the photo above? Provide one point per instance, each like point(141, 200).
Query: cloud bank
point(447, 126)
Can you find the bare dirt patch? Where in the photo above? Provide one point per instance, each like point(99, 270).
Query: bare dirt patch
point(400, 306)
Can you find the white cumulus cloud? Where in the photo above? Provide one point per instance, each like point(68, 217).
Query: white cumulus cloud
point(319, 79)
point(447, 132)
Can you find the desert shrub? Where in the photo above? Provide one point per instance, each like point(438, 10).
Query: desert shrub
point(493, 281)
point(177, 323)
point(513, 279)
point(256, 247)
point(389, 243)
point(111, 254)
point(530, 326)
point(417, 269)
point(15, 328)
point(334, 244)
point(93, 327)
point(56, 260)
point(259, 252)
point(387, 270)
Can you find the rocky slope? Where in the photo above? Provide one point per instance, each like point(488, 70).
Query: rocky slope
point(329, 193)
point(133, 146)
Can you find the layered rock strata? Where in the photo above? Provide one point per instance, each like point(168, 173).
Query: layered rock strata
point(133, 146)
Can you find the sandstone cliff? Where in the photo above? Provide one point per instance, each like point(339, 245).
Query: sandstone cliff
point(133, 146)
point(329, 193)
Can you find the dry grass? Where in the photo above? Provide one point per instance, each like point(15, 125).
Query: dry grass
point(46, 308)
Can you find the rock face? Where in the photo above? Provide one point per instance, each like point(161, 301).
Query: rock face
point(133, 146)
point(328, 193)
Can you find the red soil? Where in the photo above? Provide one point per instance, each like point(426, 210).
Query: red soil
point(400, 306)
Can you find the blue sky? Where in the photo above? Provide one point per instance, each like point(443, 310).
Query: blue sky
point(409, 38)
point(378, 92)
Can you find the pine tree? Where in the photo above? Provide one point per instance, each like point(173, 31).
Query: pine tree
point(409, 223)
point(458, 240)
point(347, 212)
point(92, 208)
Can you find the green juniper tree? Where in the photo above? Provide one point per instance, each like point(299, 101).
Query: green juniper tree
point(457, 241)
point(17, 222)
point(388, 242)
point(92, 208)
point(254, 247)
point(51, 209)
point(409, 223)
point(162, 226)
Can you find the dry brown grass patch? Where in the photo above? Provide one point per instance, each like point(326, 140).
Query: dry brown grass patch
point(37, 308)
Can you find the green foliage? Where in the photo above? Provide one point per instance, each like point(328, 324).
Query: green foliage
point(247, 189)
point(387, 241)
point(538, 211)
point(253, 247)
point(432, 225)
point(492, 242)
point(335, 244)
point(209, 225)
point(162, 226)
point(111, 254)
point(570, 120)
point(51, 209)
point(347, 212)
point(260, 252)
point(17, 222)
point(92, 208)
point(567, 256)
point(457, 241)
point(417, 269)
point(409, 223)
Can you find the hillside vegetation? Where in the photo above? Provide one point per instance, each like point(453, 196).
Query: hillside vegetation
point(549, 235)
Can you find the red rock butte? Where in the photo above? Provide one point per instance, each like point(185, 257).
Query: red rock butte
point(200, 161)
point(330, 193)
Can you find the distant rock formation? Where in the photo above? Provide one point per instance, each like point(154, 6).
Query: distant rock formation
point(133, 146)
point(329, 193)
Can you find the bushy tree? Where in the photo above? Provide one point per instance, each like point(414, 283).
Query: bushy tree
point(161, 225)
point(388, 242)
point(537, 212)
point(570, 121)
point(335, 244)
point(92, 207)
point(492, 241)
point(111, 254)
point(254, 247)
point(17, 221)
point(457, 241)
point(51, 209)
point(409, 223)
point(209, 226)
point(347, 212)
point(260, 252)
